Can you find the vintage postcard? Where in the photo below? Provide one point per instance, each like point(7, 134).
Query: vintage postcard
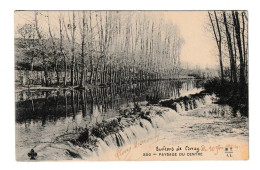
point(131, 85)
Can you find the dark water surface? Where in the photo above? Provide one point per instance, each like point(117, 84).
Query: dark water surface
point(51, 106)
point(41, 116)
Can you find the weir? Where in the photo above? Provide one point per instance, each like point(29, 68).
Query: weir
point(187, 103)
point(134, 124)
point(137, 123)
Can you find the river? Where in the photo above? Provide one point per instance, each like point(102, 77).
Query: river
point(43, 116)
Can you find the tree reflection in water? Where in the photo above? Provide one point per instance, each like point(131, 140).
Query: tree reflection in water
point(97, 103)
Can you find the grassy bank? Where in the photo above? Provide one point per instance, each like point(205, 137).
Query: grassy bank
point(228, 93)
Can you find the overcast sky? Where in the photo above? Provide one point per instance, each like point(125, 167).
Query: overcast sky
point(199, 47)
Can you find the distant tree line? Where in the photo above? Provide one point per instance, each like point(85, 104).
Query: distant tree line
point(99, 47)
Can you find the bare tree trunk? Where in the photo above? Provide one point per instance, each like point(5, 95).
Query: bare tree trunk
point(63, 54)
point(54, 52)
point(238, 37)
point(244, 44)
point(45, 80)
point(73, 51)
point(82, 82)
point(91, 53)
point(219, 41)
point(232, 63)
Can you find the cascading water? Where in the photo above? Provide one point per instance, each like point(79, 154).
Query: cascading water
point(142, 128)
point(147, 125)
point(184, 104)
point(125, 129)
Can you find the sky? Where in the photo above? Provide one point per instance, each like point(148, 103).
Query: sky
point(199, 47)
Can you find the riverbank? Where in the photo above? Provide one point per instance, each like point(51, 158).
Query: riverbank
point(60, 86)
point(228, 93)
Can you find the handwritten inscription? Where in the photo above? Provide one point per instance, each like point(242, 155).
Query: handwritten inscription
point(120, 152)
point(176, 151)
point(195, 150)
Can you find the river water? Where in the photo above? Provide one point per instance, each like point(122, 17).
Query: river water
point(42, 116)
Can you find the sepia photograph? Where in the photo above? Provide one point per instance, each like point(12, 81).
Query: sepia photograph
point(131, 85)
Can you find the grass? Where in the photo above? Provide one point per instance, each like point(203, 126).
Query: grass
point(228, 93)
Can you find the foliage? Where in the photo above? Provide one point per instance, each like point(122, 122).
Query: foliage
point(101, 47)
point(228, 93)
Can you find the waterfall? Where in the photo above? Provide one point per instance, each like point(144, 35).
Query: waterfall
point(184, 104)
point(139, 130)
point(178, 107)
point(198, 103)
point(208, 99)
point(142, 128)
point(157, 118)
point(147, 125)
point(134, 126)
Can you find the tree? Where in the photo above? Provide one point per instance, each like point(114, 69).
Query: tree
point(43, 50)
point(54, 51)
point(218, 39)
point(235, 17)
point(83, 35)
point(107, 47)
point(231, 55)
